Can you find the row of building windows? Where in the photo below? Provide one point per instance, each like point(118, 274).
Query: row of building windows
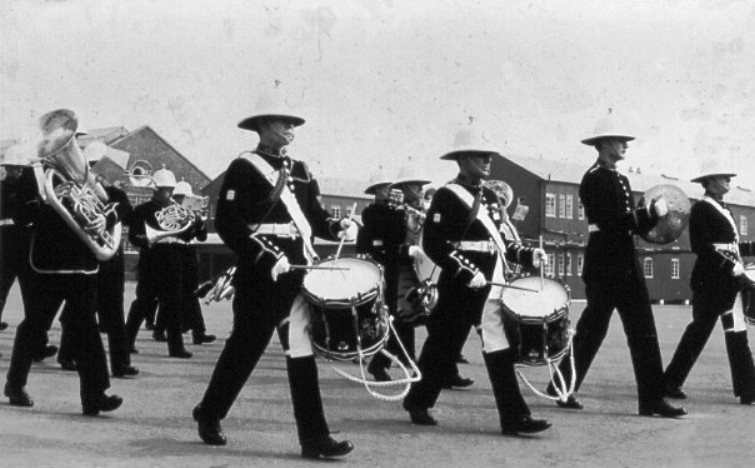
point(561, 265)
point(564, 207)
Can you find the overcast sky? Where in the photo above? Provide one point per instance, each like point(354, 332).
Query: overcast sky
point(380, 81)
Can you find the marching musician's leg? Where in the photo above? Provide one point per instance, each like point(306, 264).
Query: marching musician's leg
point(513, 412)
point(314, 435)
point(689, 348)
point(639, 326)
point(740, 356)
point(252, 329)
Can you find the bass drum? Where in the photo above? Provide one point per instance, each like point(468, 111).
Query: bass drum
point(348, 317)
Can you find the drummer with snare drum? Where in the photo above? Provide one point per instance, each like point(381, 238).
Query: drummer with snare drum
point(461, 235)
point(267, 212)
point(717, 289)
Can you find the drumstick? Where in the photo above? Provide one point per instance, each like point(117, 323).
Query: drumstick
point(340, 244)
point(511, 286)
point(542, 286)
point(312, 267)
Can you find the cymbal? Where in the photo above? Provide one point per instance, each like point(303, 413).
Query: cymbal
point(670, 227)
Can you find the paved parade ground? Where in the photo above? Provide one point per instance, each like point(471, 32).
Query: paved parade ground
point(154, 428)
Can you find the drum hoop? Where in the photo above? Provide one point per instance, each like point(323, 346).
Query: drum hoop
point(530, 320)
point(346, 302)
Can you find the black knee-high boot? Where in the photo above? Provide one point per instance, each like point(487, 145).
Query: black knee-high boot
point(305, 395)
point(508, 398)
point(741, 363)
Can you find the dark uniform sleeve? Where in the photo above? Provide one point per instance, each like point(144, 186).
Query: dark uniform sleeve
point(28, 199)
point(323, 224)
point(136, 230)
point(445, 223)
point(608, 201)
point(123, 208)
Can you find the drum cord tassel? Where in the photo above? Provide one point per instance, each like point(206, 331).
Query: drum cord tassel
point(557, 378)
point(412, 375)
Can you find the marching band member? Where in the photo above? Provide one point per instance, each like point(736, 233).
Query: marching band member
point(613, 276)
point(109, 297)
point(173, 227)
point(13, 242)
point(192, 310)
point(61, 267)
point(462, 236)
point(717, 291)
point(381, 236)
point(267, 211)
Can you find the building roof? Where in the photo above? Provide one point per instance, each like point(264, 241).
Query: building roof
point(335, 186)
point(562, 171)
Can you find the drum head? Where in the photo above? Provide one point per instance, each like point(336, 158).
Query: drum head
point(362, 278)
point(540, 305)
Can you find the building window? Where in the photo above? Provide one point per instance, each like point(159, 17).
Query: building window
point(570, 206)
point(568, 264)
point(743, 225)
point(561, 205)
point(335, 211)
point(674, 268)
point(581, 211)
point(647, 267)
point(580, 264)
point(550, 205)
point(549, 268)
point(561, 265)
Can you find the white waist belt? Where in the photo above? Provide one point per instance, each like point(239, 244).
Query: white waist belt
point(280, 230)
point(476, 246)
point(592, 228)
point(733, 248)
point(7, 222)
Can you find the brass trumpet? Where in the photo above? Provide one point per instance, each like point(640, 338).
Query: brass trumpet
point(70, 188)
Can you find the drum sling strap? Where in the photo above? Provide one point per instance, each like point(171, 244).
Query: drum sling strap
point(288, 199)
point(482, 216)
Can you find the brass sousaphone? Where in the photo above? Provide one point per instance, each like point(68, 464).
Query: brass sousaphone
point(670, 227)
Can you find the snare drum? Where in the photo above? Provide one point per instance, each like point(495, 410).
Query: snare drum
point(537, 323)
point(348, 314)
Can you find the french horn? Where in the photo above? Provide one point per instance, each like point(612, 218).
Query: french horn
point(70, 188)
point(172, 221)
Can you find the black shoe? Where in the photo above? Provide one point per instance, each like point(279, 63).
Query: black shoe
point(18, 397)
point(461, 359)
point(3, 325)
point(203, 338)
point(208, 427)
point(103, 403)
point(67, 364)
point(159, 335)
point(748, 400)
point(662, 408)
point(327, 447)
point(182, 354)
point(44, 353)
point(674, 392)
point(125, 371)
point(525, 425)
point(458, 382)
point(572, 402)
point(380, 374)
point(420, 416)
